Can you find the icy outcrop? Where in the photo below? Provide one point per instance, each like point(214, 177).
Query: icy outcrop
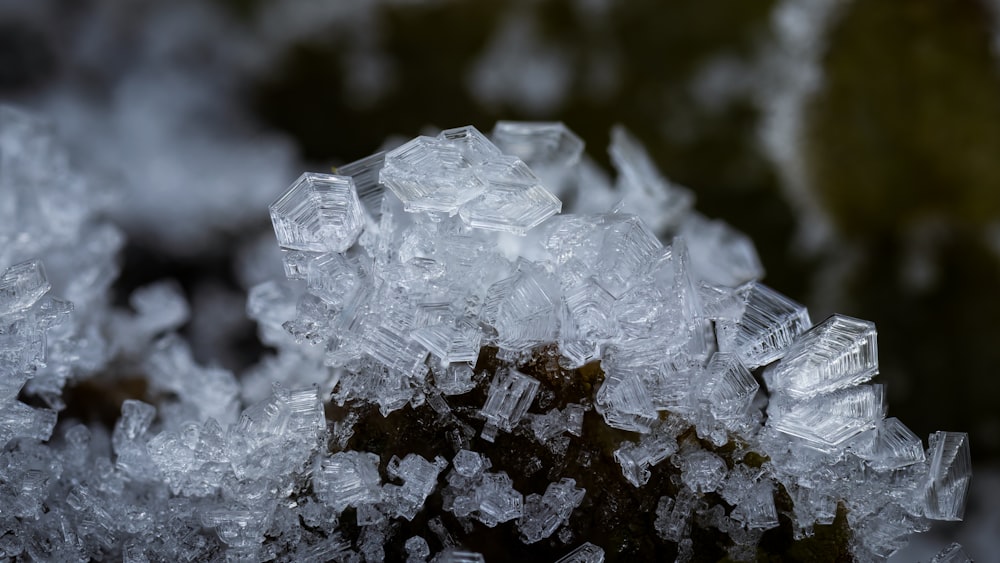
point(486, 358)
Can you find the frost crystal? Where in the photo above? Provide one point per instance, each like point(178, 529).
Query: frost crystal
point(544, 513)
point(348, 479)
point(318, 213)
point(513, 201)
point(435, 299)
point(510, 395)
point(461, 171)
point(953, 553)
point(949, 476)
point(550, 149)
point(839, 352)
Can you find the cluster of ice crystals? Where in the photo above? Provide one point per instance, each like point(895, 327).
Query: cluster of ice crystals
point(461, 171)
point(685, 333)
point(474, 492)
point(420, 279)
point(52, 238)
point(544, 513)
point(419, 481)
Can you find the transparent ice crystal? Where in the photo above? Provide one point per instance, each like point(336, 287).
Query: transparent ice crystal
point(584, 553)
point(838, 352)
point(769, 324)
point(953, 553)
point(550, 149)
point(647, 193)
point(318, 213)
point(511, 393)
point(461, 171)
point(828, 421)
point(513, 200)
point(433, 174)
point(544, 513)
point(21, 286)
point(436, 299)
point(949, 475)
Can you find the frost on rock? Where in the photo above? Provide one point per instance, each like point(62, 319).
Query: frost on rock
point(455, 368)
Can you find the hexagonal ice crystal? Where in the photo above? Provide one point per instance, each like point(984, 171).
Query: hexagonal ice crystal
point(770, 322)
point(473, 145)
point(839, 352)
point(549, 148)
point(431, 174)
point(827, 421)
point(318, 213)
point(514, 201)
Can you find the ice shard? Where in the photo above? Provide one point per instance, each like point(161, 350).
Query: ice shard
point(585, 553)
point(662, 204)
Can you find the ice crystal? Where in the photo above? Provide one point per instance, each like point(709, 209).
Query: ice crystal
point(482, 356)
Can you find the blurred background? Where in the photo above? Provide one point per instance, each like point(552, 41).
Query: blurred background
point(857, 143)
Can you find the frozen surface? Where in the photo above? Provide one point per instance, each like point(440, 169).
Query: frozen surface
point(436, 289)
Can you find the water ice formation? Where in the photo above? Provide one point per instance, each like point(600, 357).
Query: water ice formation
point(456, 363)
